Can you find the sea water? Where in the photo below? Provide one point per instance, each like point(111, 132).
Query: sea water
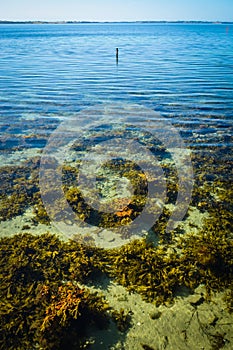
point(50, 72)
point(64, 98)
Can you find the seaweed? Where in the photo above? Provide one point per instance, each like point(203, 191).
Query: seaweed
point(69, 312)
point(158, 272)
point(228, 298)
point(42, 301)
point(18, 187)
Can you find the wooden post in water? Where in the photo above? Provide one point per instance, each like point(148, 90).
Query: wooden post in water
point(117, 51)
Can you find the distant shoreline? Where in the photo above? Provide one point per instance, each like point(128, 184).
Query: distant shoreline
point(114, 22)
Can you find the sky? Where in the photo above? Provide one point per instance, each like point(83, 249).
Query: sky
point(116, 10)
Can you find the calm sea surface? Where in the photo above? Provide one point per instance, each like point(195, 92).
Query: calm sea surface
point(182, 76)
point(49, 72)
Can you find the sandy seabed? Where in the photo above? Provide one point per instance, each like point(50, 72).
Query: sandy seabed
point(191, 322)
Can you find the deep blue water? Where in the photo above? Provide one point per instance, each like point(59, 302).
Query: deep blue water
point(183, 71)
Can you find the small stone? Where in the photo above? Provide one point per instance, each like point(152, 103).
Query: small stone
point(26, 227)
point(155, 315)
point(68, 222)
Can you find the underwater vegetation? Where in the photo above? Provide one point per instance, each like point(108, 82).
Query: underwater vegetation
point(229, 298)
point(18, 185)
point(127, 210)
point(40, 306)
point(43, 301)
point(158, 273)
point(20, 190)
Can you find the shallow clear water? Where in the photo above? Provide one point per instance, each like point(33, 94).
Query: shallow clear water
point(185, 72)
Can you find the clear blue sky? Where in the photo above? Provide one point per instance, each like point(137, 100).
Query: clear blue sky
point(116, 10)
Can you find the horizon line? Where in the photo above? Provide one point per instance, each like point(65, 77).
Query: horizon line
point(123, 21)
